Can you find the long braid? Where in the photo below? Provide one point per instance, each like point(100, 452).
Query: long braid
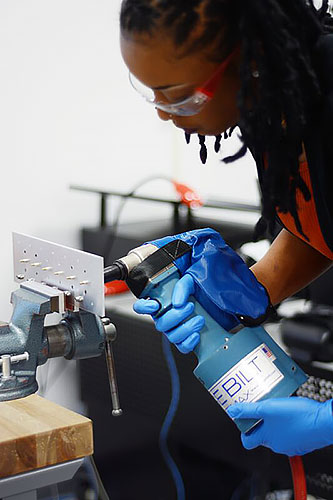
point(217, 145)
point(288, 109)
point(203, 148)
point(278, 36)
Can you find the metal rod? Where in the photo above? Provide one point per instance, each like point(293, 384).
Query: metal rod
point(112, 379)
point(125, 195)
point(16, 358)
point(227, 205)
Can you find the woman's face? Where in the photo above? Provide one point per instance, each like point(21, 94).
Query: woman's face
point(156, 62)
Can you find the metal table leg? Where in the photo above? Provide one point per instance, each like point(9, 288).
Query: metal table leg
point(24, 486)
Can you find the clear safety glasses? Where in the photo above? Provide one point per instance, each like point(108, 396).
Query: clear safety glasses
point(192, 104)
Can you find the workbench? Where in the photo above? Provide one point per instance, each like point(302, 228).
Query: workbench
point(41, 443)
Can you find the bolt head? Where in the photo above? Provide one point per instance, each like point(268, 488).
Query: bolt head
point(117, 413)
point(109, 329)
point(106, 321)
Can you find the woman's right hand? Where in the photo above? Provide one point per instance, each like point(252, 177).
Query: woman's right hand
point(176, 323)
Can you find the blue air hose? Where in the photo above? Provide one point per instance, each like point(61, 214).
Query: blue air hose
point(163, 437)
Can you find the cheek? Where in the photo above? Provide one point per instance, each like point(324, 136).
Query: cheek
point(218, 116)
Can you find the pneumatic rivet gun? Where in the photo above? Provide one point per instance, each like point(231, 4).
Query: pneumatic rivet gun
point(234, 367)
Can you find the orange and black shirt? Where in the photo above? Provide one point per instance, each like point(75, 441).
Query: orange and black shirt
point(308, 215)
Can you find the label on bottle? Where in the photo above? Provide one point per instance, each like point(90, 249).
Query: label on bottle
point(249, 380)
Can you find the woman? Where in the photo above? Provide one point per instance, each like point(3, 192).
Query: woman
point(266, 66)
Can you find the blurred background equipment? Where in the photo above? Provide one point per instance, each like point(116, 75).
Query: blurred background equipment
point(188, 212)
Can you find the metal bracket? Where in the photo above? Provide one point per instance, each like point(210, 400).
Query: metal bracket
point(75, 272)
point(24, 486)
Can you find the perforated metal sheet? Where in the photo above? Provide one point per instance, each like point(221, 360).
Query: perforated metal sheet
point(68, 269)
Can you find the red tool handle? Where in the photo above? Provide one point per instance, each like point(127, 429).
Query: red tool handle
point(115, 287)
point(187, 195)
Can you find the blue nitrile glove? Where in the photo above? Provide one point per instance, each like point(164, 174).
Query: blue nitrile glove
point(184, 334)
point(291, 426)
point(220, 281)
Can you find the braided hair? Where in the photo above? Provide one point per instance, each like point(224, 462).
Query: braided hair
point(278, 36)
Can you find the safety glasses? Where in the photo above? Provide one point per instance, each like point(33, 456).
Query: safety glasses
point(192, 104)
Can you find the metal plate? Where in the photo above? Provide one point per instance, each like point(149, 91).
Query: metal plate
point(68, 269)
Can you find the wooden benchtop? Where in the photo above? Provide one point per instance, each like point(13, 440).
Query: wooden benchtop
point(35, 432)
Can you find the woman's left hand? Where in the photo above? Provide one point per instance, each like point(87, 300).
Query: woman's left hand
point(291, 426)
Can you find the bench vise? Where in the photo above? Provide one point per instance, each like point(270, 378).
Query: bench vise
point(27, 342)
